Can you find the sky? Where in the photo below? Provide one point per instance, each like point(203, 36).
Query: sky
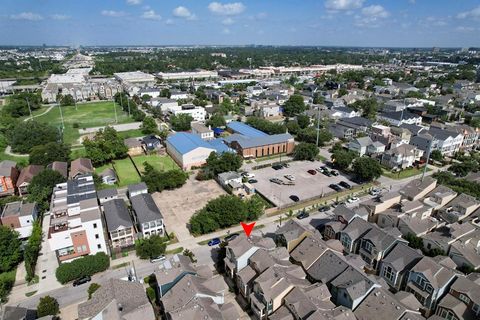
point(364, 23)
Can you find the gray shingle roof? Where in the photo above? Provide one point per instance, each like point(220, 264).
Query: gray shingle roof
point(402, 257)
point(145, 208)
point(354, 282)
point(327, 267)
point(116, 214)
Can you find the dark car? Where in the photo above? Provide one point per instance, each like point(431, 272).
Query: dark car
point(312, 172)
point(231, 237)
point(324, 208)
point(327, 173)
point(252, 181)
point(335, 187)
point(335, 173)
point(345, 185)
point(277, 166)
point(81, 281)
point(214, 242)
point(302, 215)
point(294, 198)
point(286, 165)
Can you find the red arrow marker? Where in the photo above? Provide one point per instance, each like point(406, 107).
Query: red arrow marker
point(247, 228)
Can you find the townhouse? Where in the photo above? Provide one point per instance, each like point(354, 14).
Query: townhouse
point(147, 216)
point(462, 300)
point(26, 176)
point(20, 216)
point(459, 208)
point(120, 227)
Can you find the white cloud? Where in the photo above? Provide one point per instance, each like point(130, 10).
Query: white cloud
point(27, 16)
point(375, 11)
point(228, 21)
point(226, 31)
point(412, 1)
point(182, 12)
point(113, 13)
point(151, 15)
point(169, 22)
point(343, 5)
point(227, 9)
point(474, 14)
point(464, 29)
point(59, 17)
point(134, 2)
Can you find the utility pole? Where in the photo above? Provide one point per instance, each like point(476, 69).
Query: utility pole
point(115, 109)
point(29, 109)
point(428, 157)
point(318, 125)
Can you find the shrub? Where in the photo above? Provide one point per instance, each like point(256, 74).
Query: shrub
point(76, 125)
point(7, 279)
point(32, 248)
point(85, 266)
point(151, 294)
point(92, 288)
point(47, 306)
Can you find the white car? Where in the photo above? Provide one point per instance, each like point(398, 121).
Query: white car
point(248, 175)
point(352, 199)
point(289, 177)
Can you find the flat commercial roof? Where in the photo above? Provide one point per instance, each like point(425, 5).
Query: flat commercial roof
point(245, 129)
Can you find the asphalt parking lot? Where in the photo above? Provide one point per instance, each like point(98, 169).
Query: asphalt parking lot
point(306, 186)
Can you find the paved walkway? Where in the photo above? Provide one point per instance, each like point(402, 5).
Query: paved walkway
point(8, 151)
point(41, 114)
point(118, 127)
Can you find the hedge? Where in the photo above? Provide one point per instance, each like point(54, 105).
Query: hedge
point(32, 249)
point(85, 266)
point(7, 279)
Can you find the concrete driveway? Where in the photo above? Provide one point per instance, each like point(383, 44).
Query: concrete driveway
point(177, 206)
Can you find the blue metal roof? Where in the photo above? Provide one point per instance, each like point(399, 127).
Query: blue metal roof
point(185, 142)
point(245, 129)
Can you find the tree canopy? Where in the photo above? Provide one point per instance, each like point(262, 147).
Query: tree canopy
point(227, 161)
point(367, 169)
point(41, 187)
point(265, 125)
point(150, 247)
point(17, 105)
point(149, 126)
point(105, 146)
point(216, 121)
point(67, 100)
point(369, 107)
point(48, 306)
point(10, 253)
point(305, 151)
point(342, 159)
point(294, 105)
point(49, 152)
point(181, 122)
point(159, 180)
point(223, 212)
point(26, 135)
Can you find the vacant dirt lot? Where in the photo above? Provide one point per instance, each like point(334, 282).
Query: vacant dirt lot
point(177, 206)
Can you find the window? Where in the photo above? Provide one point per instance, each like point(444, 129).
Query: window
point(367, 246)
point(99, 246)
point(96, 236)
point(79, 249)
point(476, 308)
point(429, 288)
point(464, 298)
point(388, 273)
point(94, 226)
point(84, 248)
point(420, 281)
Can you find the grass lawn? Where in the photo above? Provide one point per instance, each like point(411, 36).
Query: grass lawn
point(131, 133)
point(404, 173)
point(126, 172)
point(275, 156)
point(20, 160)
point(158, 162)
point(88, 115)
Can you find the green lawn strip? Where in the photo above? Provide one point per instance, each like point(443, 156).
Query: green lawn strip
point(126, 172)
point(134, 133)
point(121, 265)
point(270, 157)
point(29, 294)
point(161, 163)
point(78, 153)
point(403, 174)
point(174, 251)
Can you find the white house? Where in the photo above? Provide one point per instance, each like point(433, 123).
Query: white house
point(176, 95)
point(365, 146)
point(197, 113)
point(400, 117)
point(270, 110)
point(401, 157)
point(345, 112)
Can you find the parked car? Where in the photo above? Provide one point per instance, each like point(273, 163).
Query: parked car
point(286, 165)
point(324, 208)
point(352, 199)
point(81, 281)
point(288, 183)
point(333, 172)
point(248, 175)
point(375, 192)
point(302, 215)
point(214, 242)
point(289, 177)
point(252, 181)
point(327, 173)
point(158, 259)
point(276, 180)
point(294, 198)
point(277, 167)
point(335, 187)
point(231, 237)
point(345, 185)
point(319, 170)
point(312, 172)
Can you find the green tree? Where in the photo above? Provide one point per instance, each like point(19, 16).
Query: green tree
point(294, 105)
point(293, 127)
point(84, 266)
point(150, 247)
point(414, 241)
point(47, 306)
point(436, 155)
point(369, 107)
point(343, 159)
point(181, 122)
point(342, 92)
point(18, 104)
point(67, 100)
point(266, 126)
point(92, 288)
point(305, 151)
point(367, 169)
point(464, 168)
point(227, 161)
point(26, 135)
point(41, 187)
point(105, 146)
point(149, 126)
point(216, 121)
point(159, 180)
point(48, 153)
point(10, 253)
point(303, 121)
point(32, 249)
point(165, 93)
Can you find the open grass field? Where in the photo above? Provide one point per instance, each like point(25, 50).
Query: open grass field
point(404, 173)
point(86, 115)
point(126, 172)
point(158, 162)
point(134, 133)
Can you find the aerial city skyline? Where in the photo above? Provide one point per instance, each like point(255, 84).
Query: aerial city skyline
point(379, 23)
